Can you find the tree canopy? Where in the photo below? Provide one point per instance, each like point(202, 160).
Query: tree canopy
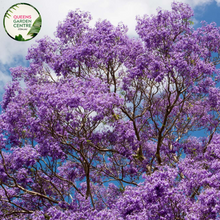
point(104, 127)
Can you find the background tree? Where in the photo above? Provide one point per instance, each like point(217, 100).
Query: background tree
point(103, 127)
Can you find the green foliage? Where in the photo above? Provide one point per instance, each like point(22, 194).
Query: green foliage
point(35, 27)
point(19, 37)
point(7, 15)
point(121, 189)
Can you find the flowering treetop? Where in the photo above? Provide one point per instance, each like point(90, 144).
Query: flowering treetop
point(103, 128)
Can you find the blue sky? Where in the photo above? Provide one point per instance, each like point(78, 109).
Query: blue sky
point(12, 53)
point(209, 13)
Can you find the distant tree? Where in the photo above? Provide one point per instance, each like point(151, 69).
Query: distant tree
point(103, 128)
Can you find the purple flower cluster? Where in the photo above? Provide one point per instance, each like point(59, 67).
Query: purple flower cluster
point(104, 127)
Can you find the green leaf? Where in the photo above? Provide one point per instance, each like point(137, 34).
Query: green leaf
point(121, 189)
point(35, 27)
point(19, 38)
point(37, 22)
point(116, 116)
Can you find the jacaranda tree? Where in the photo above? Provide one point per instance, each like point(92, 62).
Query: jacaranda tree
point(106, 127)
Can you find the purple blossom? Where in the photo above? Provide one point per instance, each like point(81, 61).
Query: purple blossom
point(104, 126)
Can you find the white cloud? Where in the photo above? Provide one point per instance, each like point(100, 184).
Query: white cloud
point(218, 2)
point(4, 79)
